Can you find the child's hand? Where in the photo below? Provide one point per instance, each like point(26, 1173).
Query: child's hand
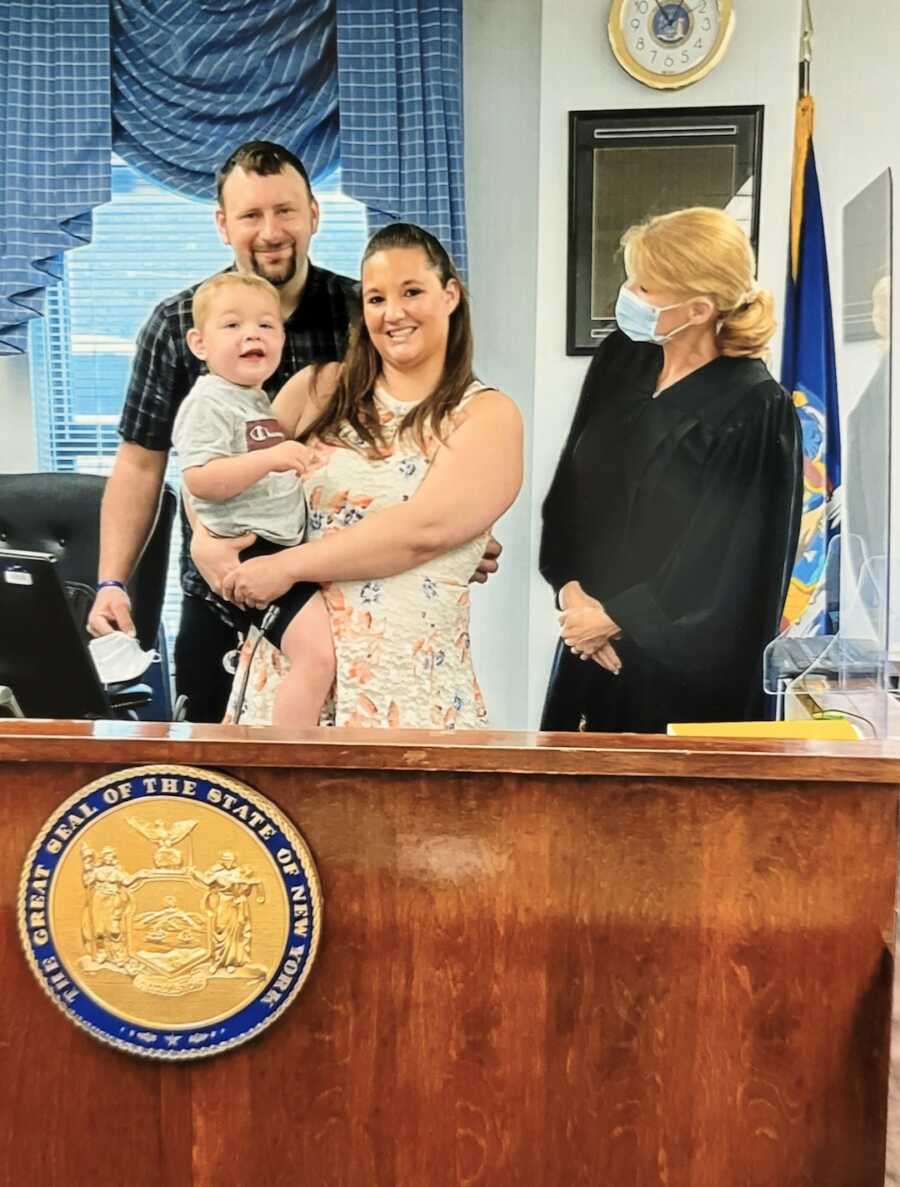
point(289, 455)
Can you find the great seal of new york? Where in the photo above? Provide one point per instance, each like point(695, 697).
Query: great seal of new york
point(170, 911)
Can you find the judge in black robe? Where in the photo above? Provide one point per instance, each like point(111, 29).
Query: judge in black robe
point(681, 514)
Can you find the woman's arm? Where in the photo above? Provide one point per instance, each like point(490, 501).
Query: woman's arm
point(214, 556)
point(473, 479)
point(304, 396)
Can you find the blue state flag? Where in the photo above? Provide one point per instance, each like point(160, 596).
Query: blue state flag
point(809, 374)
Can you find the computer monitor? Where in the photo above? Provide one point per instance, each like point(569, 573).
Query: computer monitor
point(9, 706)
point(44, 658)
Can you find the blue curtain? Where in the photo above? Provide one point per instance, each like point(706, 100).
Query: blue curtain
point(54, 146)
point(193, 79)
point(400, 76)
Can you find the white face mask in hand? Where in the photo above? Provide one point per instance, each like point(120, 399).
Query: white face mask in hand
point(119, 657)
point(638, 319)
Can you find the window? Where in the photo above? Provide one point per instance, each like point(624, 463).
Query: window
point(147, 243)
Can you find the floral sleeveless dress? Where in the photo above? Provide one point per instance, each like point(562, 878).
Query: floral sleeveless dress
point(401, 643)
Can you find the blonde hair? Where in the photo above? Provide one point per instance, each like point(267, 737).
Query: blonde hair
point(206, 293)
point(703, 252)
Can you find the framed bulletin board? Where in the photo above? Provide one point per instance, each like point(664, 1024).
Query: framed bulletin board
point(625, 166)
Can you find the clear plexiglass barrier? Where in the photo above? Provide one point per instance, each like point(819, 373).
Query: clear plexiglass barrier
point(852, 667)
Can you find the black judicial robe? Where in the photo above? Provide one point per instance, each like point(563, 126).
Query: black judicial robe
point(681, 515)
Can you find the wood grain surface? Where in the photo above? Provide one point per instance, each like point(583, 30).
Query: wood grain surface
point(483, 750)
point(621, 978)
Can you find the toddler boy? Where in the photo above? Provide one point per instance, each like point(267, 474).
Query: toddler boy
point(243, 473)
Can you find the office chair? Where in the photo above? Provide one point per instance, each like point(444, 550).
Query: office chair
point(59, 514)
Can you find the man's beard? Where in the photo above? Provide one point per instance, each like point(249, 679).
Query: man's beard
point(286, 270)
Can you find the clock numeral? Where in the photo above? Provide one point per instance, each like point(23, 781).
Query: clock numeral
point(673, 52)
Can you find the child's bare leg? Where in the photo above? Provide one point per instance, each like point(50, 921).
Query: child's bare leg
point(308, 644)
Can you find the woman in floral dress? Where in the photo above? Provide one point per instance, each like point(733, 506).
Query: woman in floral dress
point(412, 461)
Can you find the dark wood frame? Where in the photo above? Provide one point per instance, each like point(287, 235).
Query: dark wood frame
point(583, 332)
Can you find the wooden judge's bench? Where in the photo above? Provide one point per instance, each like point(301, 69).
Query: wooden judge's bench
point(546, 960)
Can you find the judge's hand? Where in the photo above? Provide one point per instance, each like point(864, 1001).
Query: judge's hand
point(572, 595)
point(257, 582)
point(584, 624)
point(606, 656)
point(587, 628)
point(489, 563)
point(215, 557)
point(581, 616)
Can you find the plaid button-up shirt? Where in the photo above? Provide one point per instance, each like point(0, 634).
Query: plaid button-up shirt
point(164, 370)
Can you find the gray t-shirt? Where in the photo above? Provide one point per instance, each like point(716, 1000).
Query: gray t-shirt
point(221, 419)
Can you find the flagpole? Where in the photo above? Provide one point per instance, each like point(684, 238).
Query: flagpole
point(806, 32)
point(808, 371)
point(803, 127)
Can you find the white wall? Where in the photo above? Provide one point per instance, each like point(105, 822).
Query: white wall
point(578, 72)
point(17, 446)
point(502, 73)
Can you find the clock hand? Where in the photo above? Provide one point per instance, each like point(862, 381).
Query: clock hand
point(666, 16)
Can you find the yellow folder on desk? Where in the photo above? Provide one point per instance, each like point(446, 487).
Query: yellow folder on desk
point(828, 729)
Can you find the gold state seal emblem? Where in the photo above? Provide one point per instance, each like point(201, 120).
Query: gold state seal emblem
point(170, 911)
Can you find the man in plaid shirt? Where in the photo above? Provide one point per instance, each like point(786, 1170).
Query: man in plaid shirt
point(268, 215)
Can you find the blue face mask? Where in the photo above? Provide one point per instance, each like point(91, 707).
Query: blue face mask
point(639, 319)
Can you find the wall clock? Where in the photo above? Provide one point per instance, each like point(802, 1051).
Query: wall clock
point(670, 43)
